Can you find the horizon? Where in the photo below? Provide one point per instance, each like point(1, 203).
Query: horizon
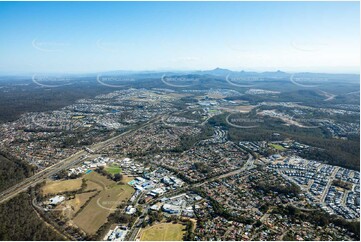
point(176, 71)
point(93, 37)
point(131, 72)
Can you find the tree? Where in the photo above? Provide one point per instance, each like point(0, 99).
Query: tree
point(118, 177)
point(62, 174)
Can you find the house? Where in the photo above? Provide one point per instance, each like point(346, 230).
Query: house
point(56, 200)
point(130, 210)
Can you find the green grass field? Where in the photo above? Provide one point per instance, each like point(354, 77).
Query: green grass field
point(163, 232)
point(277, 147)
point(113, 169)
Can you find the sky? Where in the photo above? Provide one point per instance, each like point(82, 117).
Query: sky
point(81, 37)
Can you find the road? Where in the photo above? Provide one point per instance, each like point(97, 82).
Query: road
point(134, 230)
point(137, 224)
point(40, 176)
point(239, 126)
point(63, 164)
point(330, 180)
point(206, 120)
point(247, 166)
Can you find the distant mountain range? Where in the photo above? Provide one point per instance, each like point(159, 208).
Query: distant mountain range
point(216, 73)
point(224, 72)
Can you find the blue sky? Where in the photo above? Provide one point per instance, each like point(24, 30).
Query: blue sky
point(99, 36)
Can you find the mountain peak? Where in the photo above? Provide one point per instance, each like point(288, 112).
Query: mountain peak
point(220, 69)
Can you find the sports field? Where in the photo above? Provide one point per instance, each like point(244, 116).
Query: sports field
point(55, 187)
point(113, 169)
point(163, 232)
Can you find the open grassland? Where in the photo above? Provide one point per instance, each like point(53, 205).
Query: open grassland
point(72, 206)
point(95, 214)
point(113, 169)
point(98, 179)
point(90, 186)
point(163, 232)
point(55, 187)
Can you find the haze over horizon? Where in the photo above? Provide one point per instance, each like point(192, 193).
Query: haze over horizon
point(88, 37)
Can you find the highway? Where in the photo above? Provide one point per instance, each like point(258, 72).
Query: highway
point(61, 165)
point(40, 176)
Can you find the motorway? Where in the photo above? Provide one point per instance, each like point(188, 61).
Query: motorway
point(77, 158)
point(61, 165)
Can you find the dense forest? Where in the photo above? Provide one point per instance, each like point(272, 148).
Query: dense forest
point(24, 96)
point(187, 141)
point(13, 170)
point(19, 221)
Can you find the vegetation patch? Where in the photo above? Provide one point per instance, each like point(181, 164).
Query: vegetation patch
point(13, 170)
point(163, 232)
point(277, 147)
point(19, 221)
point(342, 184)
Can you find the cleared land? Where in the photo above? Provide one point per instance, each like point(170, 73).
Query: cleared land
point(55, 187)
point(95, 214)
point(241, 108)
point(127, 179)
point(163, 232)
